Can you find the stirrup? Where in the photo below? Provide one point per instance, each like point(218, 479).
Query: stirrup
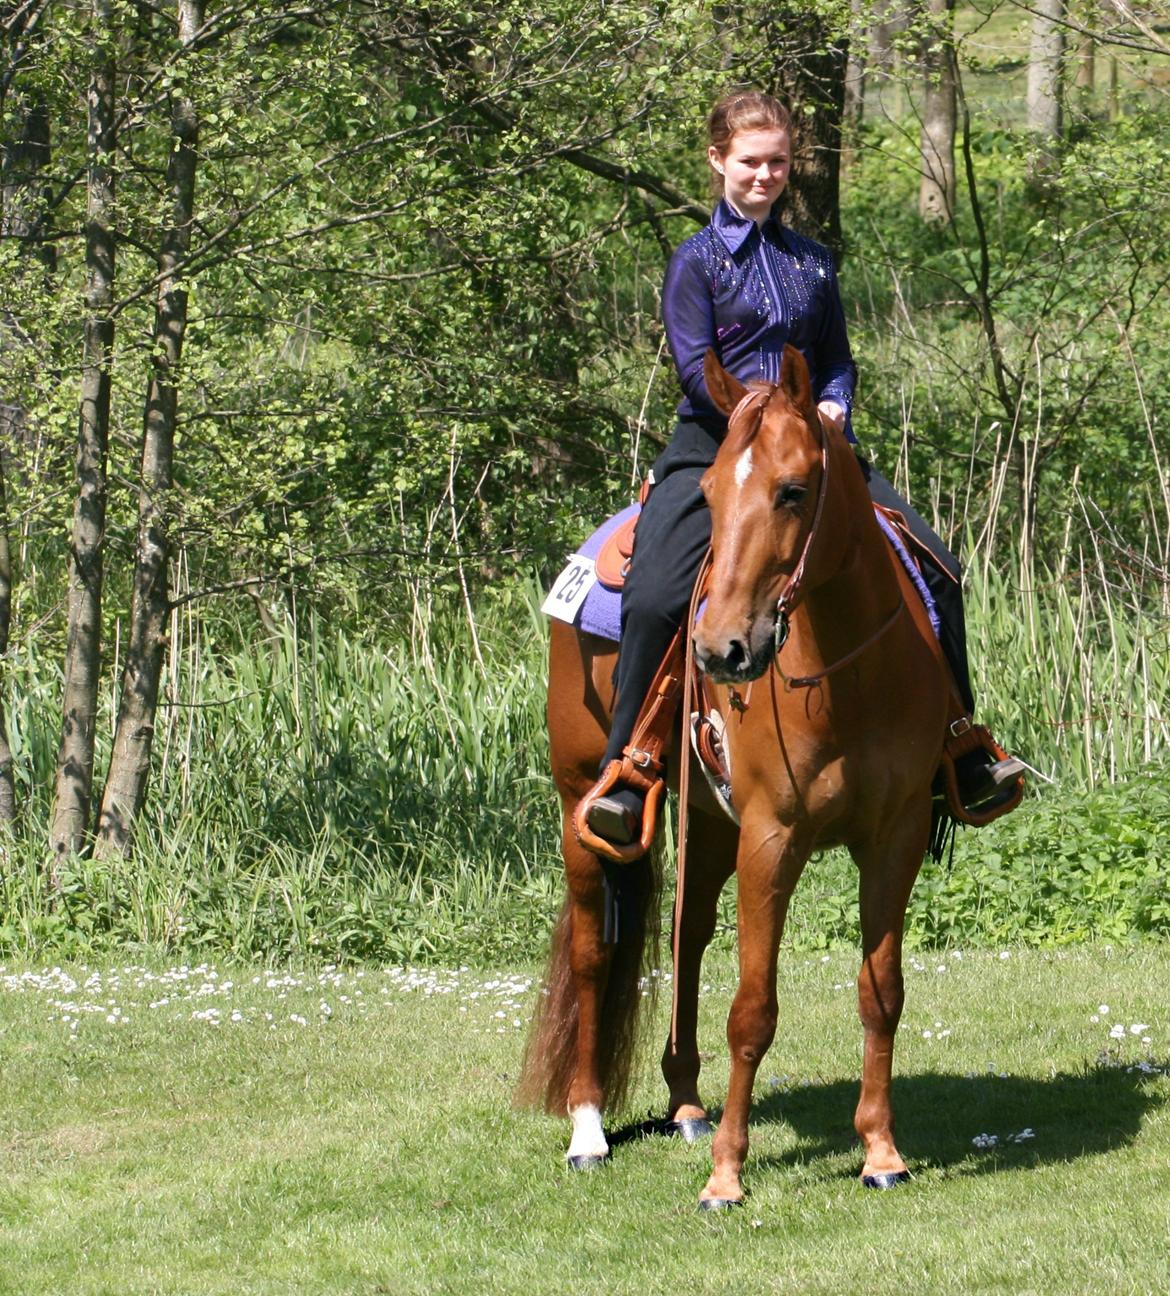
point(648, 782)
point(1006, 774)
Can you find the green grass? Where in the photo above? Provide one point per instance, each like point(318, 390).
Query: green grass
point(373, 1148)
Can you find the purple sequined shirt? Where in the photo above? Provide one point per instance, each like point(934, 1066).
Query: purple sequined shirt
point(746, 291)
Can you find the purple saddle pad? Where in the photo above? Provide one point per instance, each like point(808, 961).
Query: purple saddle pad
point(601, 612)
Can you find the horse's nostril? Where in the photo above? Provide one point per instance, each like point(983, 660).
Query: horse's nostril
point(737, 654)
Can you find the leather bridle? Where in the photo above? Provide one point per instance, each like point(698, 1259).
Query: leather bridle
point(790, 594)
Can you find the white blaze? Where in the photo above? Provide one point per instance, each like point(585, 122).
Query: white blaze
point(743, 467)
point(588, 1136)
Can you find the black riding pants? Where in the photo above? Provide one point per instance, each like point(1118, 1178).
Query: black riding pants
point(673, 533)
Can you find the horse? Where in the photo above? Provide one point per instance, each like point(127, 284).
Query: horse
point(834, 696)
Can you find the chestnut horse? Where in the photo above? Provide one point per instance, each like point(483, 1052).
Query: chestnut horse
point(836, 743)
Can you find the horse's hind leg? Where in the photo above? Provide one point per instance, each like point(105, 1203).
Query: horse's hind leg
point(711, 850)
point(888, 868)
point(589, 961)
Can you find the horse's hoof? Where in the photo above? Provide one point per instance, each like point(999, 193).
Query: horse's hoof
point(690, 1129)
point(885, 1180)
point(586, 1162)
point(719, 1203)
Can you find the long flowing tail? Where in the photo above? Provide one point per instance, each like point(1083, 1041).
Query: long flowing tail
point(550, 1057)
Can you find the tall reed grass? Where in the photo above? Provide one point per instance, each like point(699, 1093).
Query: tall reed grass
point(1073, 666)
point(317, 794)
point(321, 795)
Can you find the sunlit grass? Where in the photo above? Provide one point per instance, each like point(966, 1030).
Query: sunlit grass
point(223, 1128)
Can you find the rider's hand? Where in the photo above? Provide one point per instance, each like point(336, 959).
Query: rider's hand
point(832, 414)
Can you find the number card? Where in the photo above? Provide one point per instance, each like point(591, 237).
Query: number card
point(569, 589)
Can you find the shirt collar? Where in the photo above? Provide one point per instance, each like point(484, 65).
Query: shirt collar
point(734, 230)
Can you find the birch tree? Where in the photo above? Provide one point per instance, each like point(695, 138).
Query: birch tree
point(1046, 83)
point(936, 195)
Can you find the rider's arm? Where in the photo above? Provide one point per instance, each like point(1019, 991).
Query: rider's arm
point(835, 370)
point(689, 318)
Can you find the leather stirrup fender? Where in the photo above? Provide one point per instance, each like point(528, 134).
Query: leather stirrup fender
point(613, 559)
point(642, 766)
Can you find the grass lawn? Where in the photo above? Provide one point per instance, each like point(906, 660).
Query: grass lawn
point(208, 1130)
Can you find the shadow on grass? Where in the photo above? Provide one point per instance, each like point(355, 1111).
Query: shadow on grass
point(1071, 1115)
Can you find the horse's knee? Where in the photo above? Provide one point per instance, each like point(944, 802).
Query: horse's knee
point(751, 1027)
point(879, 1001)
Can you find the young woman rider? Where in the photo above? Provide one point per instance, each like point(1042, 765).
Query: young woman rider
point(745, 285)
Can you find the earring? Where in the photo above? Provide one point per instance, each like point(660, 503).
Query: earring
point(720, 171)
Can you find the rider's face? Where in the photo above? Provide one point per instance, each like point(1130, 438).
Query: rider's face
point(755, 169)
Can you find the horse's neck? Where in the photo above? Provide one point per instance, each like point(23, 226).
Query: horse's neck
point(857, 587)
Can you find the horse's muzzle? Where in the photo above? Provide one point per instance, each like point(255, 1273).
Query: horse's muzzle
point(736, 660)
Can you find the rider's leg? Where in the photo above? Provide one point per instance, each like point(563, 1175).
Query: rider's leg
point(672, 536)
point(673, 533)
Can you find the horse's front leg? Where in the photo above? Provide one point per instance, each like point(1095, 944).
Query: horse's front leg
point(711, 848)
point(769, 866)
point(888, 868)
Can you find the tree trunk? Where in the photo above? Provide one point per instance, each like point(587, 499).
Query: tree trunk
point(71, 810)
point(24, 164)
point(1045, 80)
point(936, 194)
point(126, 783)
point(1086, 70)
point(891, 20)
point(7, 779)
point(811, 75)
point(854, 105)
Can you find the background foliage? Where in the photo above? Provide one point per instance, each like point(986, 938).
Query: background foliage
point(424, 356)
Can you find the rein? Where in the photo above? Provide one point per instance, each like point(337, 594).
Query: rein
point(807, 681)
point(684, 788)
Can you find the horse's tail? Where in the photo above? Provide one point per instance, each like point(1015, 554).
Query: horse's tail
point(550, 1057)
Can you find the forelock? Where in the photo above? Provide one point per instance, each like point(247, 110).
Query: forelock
point(748, 429)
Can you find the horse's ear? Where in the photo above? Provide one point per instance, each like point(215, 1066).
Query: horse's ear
point(726, 391)
point(794, 379)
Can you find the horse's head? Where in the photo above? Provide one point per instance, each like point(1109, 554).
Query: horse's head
point(763, 490)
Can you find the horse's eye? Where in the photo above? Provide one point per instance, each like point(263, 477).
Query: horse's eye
point(790, 495)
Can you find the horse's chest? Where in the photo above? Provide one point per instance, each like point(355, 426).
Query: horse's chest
point(811, 775)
